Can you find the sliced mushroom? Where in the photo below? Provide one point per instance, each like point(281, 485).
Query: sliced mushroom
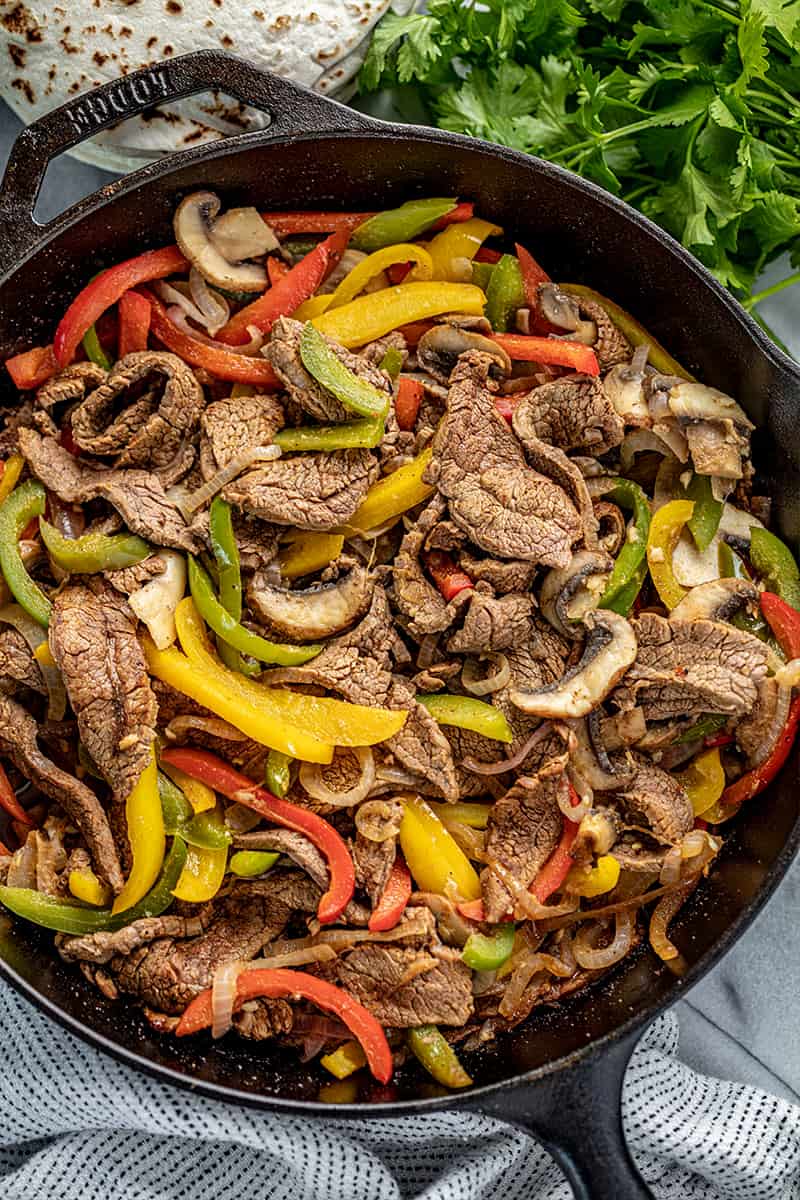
point(717, 429)
point(609, 650)
point(601, 776)
point(623, 729)
point(308, 614)
point(716, 600)
point(569, 593)
point(597, 833)
point(219, 258)
point(562, 310)
point(624, 386)
point(611, 524)
point(439, 349)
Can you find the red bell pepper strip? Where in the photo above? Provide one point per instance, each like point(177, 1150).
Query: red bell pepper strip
point(785, 624)
point(4, 851)
point(558, 865)
point(407, 402)
point(472, 909)
point(397, 272)
point(527, 348)
point(394, 898)
point(532, 275)
point(285, 224)
point(718, 739)
point(446, 574)
point(224, 364)
point(134, 323)
point(32, 368)
point(464, 211)
point(488, 255)
point(278, 982)
point(105, 290)
point(505, 406)
point(300, 282)
point(276, 269)
point(10, 803)
point(221, 777)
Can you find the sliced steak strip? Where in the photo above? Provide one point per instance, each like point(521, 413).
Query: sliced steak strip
point(503, 505)
point(524, 828)
point(659, 801)
point(128, 580)
point(493, 623)
point(18, 732)
point(138, 496)
point(309, 491)
point(17, 664)
point(93, 641)
point(232, 426)
point(438, 991)
point(416, 597)
point(573, 413)
point(72, 383)
point(503, 575)
point(284, 354)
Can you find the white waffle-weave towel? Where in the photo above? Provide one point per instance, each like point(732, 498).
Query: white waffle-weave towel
point(76, 1125)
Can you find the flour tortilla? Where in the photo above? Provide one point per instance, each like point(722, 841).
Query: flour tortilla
point(51, 51)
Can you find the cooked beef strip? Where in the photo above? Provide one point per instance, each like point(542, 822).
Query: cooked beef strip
point(93, 640)
point(659, 800)
point(373, 862)
point(157, 435)
point(504, 506)
point(232, 426)
point(294, 845)
point(440, 994)
point(137, 495)
point(103, 946)
point(573, 413)
point(492, 623)
point(18, 733)
point(414, 594)
point(555, 464)
point(260, 1020)
point(128, 580)
point(284, 354)
point(684, 668)
point(375, 352)
point(257, 541)
point(71, 383)
point(17, 664)
point(755, 726)
point(309, 491)
point(523, 830)
point(504, 575)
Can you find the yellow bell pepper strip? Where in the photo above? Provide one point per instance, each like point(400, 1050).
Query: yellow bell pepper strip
point(339, 1091)
point(12, 469)
point(435, 860)
point(465, 812)
point(145, 823)
point(452, 251)
point(309, 552)
point(278, 774)
point(402, 252)
point(392, 496)
point(24, 503)
point(200, 796)
point(43, 655)
point(234, 633)
point(349, 1057)
point(437, 1056)
point(249, 863)
point(665, 529)
point(505, 293)
point(323, 364)
point(600, 878)
point(315, 306)
point(636, 334)
point(365, 434)
point(776, 565)
point(370, 317)
point(85, 886)
point(467, 713)
point(344, 724)
point(204, 870)
point(703, 781)
point(94, 551)
point(399, 224)
point(488, 952)
point(220, 692)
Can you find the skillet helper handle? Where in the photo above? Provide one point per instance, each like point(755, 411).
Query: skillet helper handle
point(576, 1114)
point(291, 109)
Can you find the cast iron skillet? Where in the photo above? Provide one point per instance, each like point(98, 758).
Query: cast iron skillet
point(559, 1075)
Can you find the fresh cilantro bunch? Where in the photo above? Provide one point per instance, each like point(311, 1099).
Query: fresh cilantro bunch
point(688, 110)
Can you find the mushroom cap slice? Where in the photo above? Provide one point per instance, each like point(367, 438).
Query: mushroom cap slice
point(569, 592)
point(194, 224)
point(716, 600)
point(609, 650)
point(308, 614)
point(439, 349)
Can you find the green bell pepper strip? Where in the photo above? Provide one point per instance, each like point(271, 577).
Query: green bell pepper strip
point(732, 567)
point(50, 913)
point(505, 293)
point(25, 502)
point(94, 351)
point(705, 727)
point(208, 831)
point(487, 952)
point(437, 1056)
point(278, 775)
point(467, 713)
point(248, 863)
point(205, 829)
point(229, 576)
point(630, 567)
point(704, 521)
point(235, 634)
point(392, 362)
point(401, 224)
point(324, 365)
point(175, 808)
point(772, 559)
point(94, 551)
point(350, 435)
point(482, 275)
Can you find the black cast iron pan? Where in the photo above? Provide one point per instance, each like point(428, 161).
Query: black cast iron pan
point(560, 1074)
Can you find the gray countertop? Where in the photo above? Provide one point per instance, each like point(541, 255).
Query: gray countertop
point(740, 1023)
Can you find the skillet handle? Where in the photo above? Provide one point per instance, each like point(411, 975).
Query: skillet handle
point(576, 1114)
point(290, 107)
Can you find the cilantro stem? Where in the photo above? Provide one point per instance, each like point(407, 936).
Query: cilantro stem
point(757, 298)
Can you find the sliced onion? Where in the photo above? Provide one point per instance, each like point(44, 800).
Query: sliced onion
point(215, 726)
point(471, 841)
point(788, 675)
point(639, 441)
point(671, 866)
point(248, 350)
point(34, 635)
point(528, 963)
point(663, 913)
point(175, 296)
point(315, 1025)
point(453, 928)
point(592, 959)
point(525, 901)
point(240, 462)
point(397, 777)
point(500, 678)
point(379, 820)
point(564, 800)
point(213, 307)
point(344, 939)
point(477, 767)
point(155, 602)
point(295, 958)
point(311, 779)
point(223, 996)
